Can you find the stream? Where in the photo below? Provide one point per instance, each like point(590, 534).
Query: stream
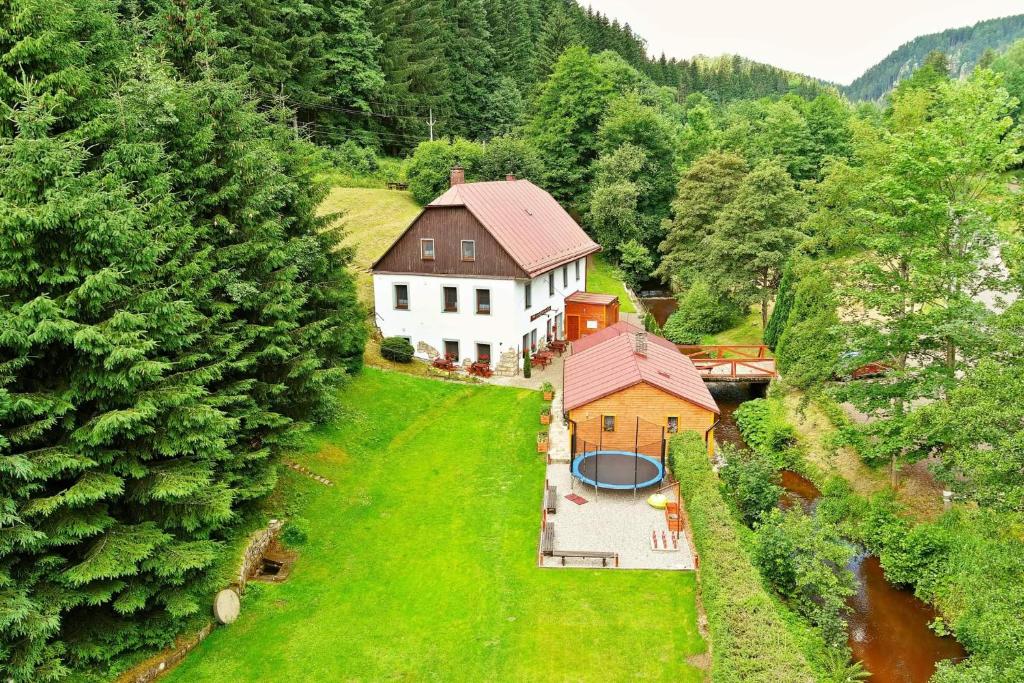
point(888, 625)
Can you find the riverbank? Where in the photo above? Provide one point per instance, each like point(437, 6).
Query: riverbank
point(917, 489)
point(889, 628)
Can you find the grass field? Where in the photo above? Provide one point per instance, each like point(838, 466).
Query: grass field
point(747, 331)
point(421, 561)
point(604, 279)
point(372, 220)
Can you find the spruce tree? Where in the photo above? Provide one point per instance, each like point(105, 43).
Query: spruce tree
point(174, 314)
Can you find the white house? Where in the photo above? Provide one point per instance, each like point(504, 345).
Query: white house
point(482, 273)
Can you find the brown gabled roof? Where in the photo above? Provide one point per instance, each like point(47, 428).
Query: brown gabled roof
point(614, 365)
point(525, 220)
point(619, 328)
point(578, 297)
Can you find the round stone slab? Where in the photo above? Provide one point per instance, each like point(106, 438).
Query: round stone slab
point(226, 606)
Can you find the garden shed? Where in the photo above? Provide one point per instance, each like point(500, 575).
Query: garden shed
point(586, 313)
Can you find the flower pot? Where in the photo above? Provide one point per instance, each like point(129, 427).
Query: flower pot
point(542, 446)
point(545, 419)
point(549, 395)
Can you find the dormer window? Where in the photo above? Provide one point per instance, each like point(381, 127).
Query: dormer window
point(427, 249)
point(468, 250)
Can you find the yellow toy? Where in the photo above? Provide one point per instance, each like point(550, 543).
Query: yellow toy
point(657, 501)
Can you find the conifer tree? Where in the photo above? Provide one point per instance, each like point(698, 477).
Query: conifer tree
point(174, 313)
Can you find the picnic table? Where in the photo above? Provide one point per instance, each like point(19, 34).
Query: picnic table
point(446, 362)
point(542, 359)
point(557, 345)
point(481, 369)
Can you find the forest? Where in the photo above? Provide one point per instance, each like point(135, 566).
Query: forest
point(965, 47)
point(176, 316)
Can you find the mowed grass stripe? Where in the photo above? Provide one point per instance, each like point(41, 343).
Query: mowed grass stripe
point(421, 562)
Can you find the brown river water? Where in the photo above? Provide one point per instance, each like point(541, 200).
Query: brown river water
point(888, 625)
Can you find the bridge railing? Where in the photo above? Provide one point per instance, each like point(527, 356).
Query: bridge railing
point(724, 350)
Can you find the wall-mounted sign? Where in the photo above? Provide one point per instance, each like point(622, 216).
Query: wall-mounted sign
point(540, 313)
point(591, 324)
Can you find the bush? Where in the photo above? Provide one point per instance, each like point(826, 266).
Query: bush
point(751, 481)
point(508, 154)
point(805, 560)
point(635, 263)
point(295, 532)
point(752, 640)
point(397, 349)
point(764, 427)
point(700, 313)
point(429, 170)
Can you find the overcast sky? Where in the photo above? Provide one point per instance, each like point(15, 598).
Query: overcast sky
point(832, 40)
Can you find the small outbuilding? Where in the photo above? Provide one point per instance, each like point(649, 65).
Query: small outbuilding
point(587, 313)
point(624, 387)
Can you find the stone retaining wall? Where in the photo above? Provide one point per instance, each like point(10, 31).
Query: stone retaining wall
point(157, 666)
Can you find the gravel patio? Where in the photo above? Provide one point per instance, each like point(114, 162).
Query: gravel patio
point(611, 521)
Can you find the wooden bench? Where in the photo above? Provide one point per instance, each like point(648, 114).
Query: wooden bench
point(397, 186)
point(551, 499)
point(547, 539)
point(602, 555)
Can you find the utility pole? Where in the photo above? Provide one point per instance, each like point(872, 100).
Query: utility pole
point(430, 122)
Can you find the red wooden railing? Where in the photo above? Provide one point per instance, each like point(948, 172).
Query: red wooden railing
point(731, 361)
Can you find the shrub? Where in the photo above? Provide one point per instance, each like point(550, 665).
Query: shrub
point(751, 481)
point(752, 642)
point(527, 364)
point(295, 531)
point(635, 263)
point(397, 349)
point(651, 325)
point(805, 559)
point(764, 427)
point(507, 154)
point(700, 313)
point(429, 170)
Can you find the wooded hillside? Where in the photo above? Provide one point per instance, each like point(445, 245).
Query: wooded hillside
point(963, 47)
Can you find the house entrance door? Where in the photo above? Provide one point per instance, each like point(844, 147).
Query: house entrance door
point(572, 324)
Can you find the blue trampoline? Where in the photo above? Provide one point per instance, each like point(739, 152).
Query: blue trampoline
point(620, 470)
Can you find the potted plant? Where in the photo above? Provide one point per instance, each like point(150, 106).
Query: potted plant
point(545, 416)
point(549, 391)
point(542, 442)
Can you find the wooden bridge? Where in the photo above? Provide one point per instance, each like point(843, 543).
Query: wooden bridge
point(736, 363)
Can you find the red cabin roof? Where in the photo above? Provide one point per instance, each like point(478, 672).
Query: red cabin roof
point(578, 297)
point(614, 364)
point(525, 220)
point(614, 330)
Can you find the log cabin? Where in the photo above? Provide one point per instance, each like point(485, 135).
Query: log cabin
point(624, 387)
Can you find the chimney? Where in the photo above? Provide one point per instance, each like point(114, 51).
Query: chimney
point(640, 343)
point(458, 176)
point(510, 177)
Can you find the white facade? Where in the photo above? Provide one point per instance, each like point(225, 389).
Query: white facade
point(506, 326)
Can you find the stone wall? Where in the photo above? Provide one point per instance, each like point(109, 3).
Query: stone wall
point(258, 545)
point(156, 666)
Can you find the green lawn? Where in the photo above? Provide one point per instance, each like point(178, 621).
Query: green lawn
point(421, 563)
point(372, 219)
point(603, 278)
point(747, 331)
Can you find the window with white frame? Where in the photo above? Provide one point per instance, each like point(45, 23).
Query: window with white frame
point(427, 249)
point(451, 300)
point(483, 301)
point(402, 297)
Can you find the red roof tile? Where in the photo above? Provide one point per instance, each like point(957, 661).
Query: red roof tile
point(525, 220)
point(619, 328)
point(613, 365)
point(591, 298)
